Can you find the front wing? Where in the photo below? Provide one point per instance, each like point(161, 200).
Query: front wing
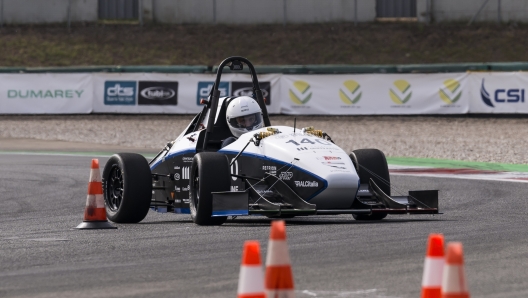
point(370, 200)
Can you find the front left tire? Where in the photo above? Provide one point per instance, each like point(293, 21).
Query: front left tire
point(127, 188)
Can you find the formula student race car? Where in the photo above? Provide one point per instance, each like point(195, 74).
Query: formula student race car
point(274, 171)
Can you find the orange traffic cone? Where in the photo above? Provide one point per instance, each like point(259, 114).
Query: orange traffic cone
point(251, 279)
point(95, 212)
point(454, 279)
point(279, 277)
point(433, 267)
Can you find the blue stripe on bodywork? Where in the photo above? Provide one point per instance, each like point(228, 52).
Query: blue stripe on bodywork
point(182, 210)
point(172, 155)
point(283, 163)
point(230, 212)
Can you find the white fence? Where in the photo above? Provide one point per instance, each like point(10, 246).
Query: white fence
point(363, 94)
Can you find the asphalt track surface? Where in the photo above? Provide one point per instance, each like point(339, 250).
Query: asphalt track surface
point(42, 199)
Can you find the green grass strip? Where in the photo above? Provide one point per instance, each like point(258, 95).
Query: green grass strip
point(456, 164)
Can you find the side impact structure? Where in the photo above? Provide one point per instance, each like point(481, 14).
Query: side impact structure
point(279, 277)
point(95, 212)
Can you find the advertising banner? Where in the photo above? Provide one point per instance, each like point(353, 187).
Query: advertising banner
point(498, 92)
point(173, 93)
point(46, 93)
point(371, 94)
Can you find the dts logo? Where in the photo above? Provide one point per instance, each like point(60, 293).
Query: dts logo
point(501, 96)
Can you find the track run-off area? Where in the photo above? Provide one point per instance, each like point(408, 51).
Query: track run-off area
point(43, 195)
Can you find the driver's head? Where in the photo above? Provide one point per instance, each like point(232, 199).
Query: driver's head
point(243, 114)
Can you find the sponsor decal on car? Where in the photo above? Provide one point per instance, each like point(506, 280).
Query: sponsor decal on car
point(176, 167)
point(306, 183)
point(185, 173)
point(187, 159)
point(334, 164)
point(176, 176)
point(285, 175)
point(120, 93)
point(246, 89)
point(329, 158)
point(204, 88)
point(157, 93)
point(177, 201)
point(186, 188)
point(270, 169)
point(234, 169)
point(177, 189)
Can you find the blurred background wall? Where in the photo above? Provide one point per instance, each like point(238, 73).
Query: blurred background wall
point(261, 12)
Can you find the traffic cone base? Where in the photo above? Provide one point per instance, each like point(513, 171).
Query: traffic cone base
point(86, 225)
point(95, 211)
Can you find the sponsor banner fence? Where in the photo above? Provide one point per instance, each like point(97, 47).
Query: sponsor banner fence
point(46, 93)
point(173, 93)
point(498, 92)
point(386, 94)
point(338, 94)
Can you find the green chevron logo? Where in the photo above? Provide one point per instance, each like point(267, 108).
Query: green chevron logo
point(351, 94)
point(402, 93)
point(301, 92)
point(451, 92)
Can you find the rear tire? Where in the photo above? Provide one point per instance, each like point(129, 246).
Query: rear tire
point(127, 188)
point(373, 164)
point(210, 172)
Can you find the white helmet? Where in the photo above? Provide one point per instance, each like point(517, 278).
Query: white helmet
point(243, 114)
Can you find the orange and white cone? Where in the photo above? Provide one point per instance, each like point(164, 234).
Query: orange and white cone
point(95, 212)
point(454, 279)
point(251, 279)
point(279, 277)
point(433, 267)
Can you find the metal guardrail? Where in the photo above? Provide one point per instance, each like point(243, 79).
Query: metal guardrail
point(284, 69)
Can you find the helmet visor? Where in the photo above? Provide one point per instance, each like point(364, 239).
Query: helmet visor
point(247, 121)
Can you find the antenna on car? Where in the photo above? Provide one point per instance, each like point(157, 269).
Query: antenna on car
point(294, 123)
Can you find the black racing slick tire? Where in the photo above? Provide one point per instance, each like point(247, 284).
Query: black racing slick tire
point(127, 188)
point(372, 164)
point(210, 172)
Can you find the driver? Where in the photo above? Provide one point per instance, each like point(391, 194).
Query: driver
point(243, 115)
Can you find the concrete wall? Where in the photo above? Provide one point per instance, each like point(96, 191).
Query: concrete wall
point(259, 11)
point(464, 10)
point(47, 11)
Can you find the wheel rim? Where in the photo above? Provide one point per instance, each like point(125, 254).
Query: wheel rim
point(196, 188)
point(114, 189)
